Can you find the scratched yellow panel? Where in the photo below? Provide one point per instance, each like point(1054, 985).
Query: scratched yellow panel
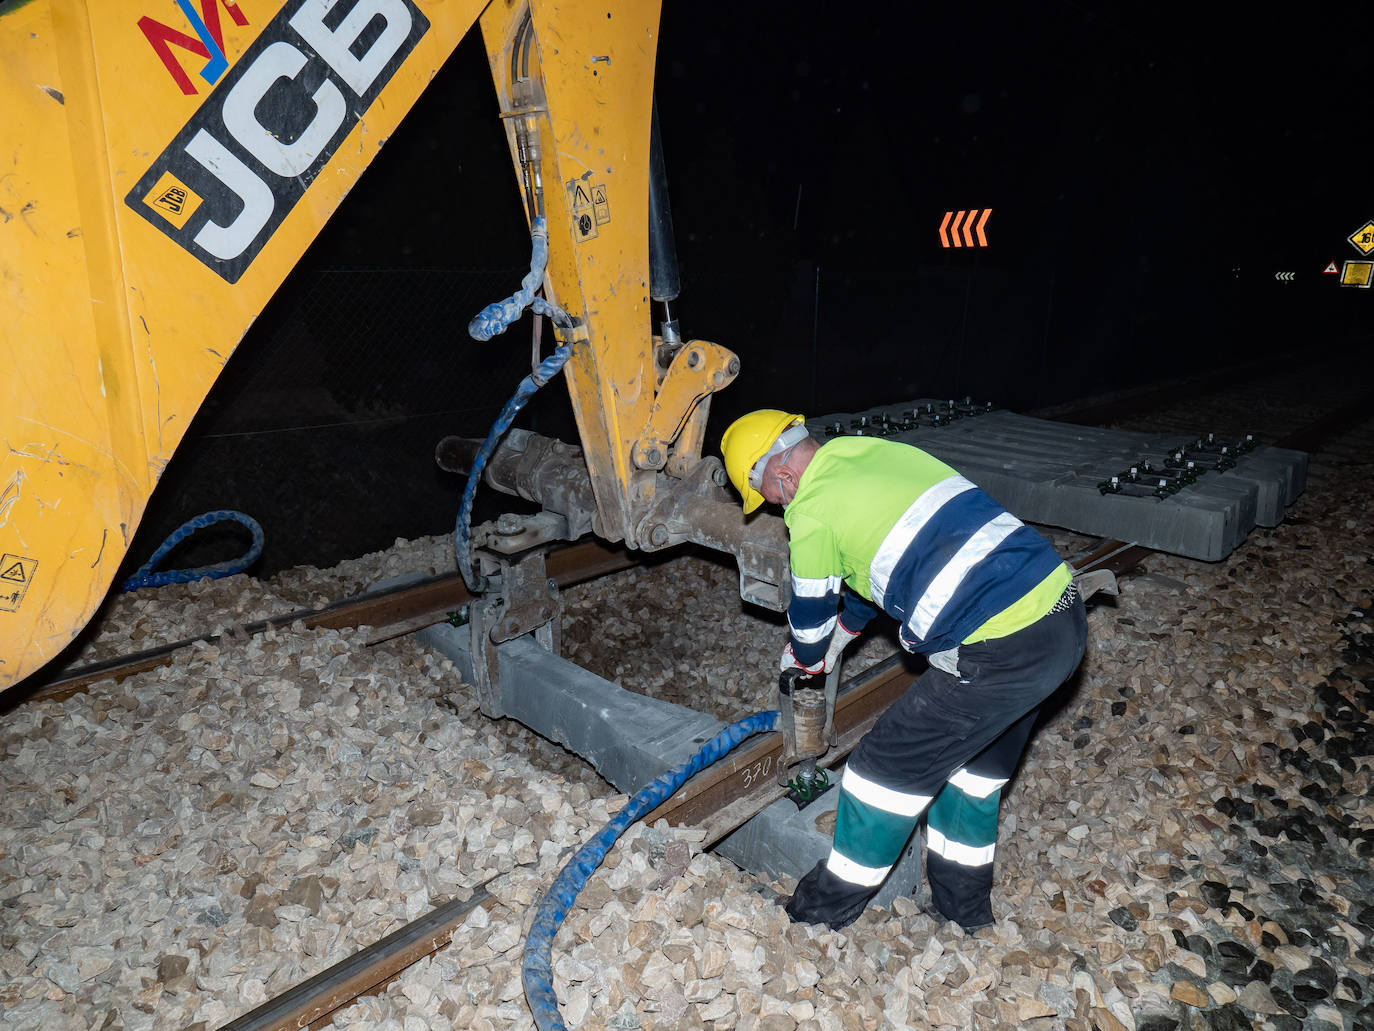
point(142, 229)
point(62, 484)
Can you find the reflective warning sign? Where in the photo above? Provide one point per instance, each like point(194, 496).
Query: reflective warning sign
point(1362, 239)
point(16, 573)
point(1357, 273)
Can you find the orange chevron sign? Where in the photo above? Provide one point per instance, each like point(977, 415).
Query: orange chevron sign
point(952, 239)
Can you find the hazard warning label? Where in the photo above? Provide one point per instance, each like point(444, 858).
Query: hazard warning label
point(583, 216)
point(591, 207)
point(16, 573)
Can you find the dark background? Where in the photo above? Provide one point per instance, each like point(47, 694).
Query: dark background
point(1149, 172)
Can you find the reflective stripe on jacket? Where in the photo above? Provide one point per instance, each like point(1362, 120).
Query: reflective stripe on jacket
point(904, 530)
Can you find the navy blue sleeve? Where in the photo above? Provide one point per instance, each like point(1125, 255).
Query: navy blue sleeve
point(856, 612)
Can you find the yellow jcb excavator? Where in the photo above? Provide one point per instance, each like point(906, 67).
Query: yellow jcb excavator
point(165, 164)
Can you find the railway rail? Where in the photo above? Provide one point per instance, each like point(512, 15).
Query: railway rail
point(388, 612)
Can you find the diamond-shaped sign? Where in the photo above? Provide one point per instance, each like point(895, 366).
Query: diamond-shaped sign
point(1362, 239)
point(1358, 274)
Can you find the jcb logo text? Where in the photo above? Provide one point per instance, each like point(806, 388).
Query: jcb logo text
point(235, 171)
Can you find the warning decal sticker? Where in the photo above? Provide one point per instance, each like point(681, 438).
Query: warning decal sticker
point(16, 573)
point(580, 201)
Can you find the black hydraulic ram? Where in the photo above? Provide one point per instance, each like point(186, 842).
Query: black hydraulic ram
point(664, 281)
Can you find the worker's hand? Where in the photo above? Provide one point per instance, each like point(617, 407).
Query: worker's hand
point(789, 661)
point(839, 640)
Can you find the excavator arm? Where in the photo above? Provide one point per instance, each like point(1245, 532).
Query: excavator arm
point(165, 165)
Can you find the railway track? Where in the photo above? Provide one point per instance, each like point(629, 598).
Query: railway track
point(719, 800)
point(396, 611)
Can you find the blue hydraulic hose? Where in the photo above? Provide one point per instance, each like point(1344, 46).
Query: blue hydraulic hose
point(499, 317)
point(462, 530)
point(536, 972)
point(145, 577)
point(493, 319)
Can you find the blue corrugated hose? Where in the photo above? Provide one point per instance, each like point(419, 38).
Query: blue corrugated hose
point(145, 577)
point(493, 319)
point(499, 317)
point(536, 971)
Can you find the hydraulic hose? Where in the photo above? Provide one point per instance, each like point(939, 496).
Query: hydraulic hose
point(496, 318)
point(493, 319)
point(146, 577)
point(536, 971)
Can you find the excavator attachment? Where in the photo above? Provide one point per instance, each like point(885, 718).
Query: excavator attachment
point(166, 164)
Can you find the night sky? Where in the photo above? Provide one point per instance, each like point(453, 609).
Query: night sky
point(1148, 174)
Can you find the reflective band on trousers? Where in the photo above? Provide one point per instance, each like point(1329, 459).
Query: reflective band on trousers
point(854, 873)
point(947, 581)
point(906, 528)
point(955, 852)
point(871, 793)
point(975, 786)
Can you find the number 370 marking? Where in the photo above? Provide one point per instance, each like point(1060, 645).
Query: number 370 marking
point(753, 774)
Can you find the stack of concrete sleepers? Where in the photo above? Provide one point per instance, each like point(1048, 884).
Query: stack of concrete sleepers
point(1050, 473)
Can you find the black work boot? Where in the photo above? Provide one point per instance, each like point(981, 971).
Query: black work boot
point(823, 898)
point(961, 893)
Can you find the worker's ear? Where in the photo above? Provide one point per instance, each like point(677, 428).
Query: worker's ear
point(790, 478)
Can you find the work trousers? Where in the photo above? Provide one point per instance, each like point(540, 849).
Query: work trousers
point(943, 750)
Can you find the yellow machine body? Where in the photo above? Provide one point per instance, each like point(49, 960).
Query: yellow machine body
point(165, 166)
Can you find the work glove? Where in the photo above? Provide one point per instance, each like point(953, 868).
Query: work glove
point(789, 661)
point(839, 640)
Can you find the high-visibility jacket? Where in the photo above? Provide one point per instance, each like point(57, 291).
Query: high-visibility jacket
point(904, 531)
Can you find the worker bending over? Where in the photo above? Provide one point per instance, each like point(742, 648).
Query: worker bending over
point(878, 524)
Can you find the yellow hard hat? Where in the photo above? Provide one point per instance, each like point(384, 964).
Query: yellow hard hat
point(746, 441)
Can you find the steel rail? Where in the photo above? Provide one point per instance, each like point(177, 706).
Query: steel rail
point(395, 611)
point(744, 783)
point(389, 612)
point(313, 1002)
point(719, 799)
